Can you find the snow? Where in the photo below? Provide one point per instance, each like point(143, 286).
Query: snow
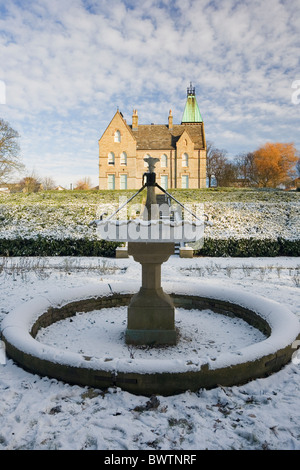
point(102, 331)
point(43, 413)
point(277, 216)
point(285, 328)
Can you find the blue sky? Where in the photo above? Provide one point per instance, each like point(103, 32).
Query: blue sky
point(67, 65)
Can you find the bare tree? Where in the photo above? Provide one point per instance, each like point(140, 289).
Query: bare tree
point(298, 167)
point(215, 164)
point(227, 175)
point(9, 151)
point(48, 183)
point(30, 184)
point(246, 169)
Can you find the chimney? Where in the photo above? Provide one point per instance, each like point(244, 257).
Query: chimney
point(170, 119)
point(135, 119)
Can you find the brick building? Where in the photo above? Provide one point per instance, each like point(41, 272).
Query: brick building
point(181, 149)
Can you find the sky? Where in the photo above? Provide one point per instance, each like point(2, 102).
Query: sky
point(66, 66)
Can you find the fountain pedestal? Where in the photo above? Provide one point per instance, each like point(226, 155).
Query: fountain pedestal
point(151, 241)
point(150, 319)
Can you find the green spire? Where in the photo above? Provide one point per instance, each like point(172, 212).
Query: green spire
point(191, 110)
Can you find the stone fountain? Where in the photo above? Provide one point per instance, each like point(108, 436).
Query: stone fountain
point(150, 318)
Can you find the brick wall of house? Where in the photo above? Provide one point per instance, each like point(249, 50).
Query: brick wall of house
point(178, 172)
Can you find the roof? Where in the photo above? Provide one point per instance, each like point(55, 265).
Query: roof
point(160, 137)
point(191, 111)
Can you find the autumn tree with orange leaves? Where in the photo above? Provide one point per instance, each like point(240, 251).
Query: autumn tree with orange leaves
point(273, 164)
point(83, 184)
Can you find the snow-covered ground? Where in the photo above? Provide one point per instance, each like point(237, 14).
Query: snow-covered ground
point(260, 219)
point(43, 413)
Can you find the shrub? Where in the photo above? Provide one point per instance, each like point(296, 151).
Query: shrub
point(43, 246)
point(251, 247)
point(48, 246)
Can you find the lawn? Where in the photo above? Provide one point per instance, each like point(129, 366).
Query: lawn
point(235, 213)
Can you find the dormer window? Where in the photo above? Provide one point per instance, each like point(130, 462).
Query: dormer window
point(111, 158)
point(117, 136)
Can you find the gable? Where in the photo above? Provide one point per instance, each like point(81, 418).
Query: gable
point(185, 137)
point(117, 123)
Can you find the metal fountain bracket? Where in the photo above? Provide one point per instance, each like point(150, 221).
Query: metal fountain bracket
point(151, 228)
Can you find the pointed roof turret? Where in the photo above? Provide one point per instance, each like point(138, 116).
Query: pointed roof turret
point(191, 111)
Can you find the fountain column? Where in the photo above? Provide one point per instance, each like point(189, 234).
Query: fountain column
point(151, 312)
point(150, 318)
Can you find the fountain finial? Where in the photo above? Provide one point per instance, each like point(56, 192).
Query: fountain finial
point(151, 163)
point(151, 208)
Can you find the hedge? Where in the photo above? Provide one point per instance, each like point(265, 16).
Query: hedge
point(45, 246)
point(249, 247)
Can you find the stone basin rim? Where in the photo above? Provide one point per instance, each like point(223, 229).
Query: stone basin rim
point(261, 358)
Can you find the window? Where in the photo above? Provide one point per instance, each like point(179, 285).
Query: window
point(185, 159)
point(123, 158)
point(164, 181)
point(111, 158)
point(117, 136)
point(164, 161)
point(185, 181)
point(123, 181)
point(111, 181)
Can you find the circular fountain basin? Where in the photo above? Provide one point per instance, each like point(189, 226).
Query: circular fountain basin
point(147, 376)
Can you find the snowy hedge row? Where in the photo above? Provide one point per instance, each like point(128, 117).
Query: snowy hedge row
point(249, 247)
point(46, 246)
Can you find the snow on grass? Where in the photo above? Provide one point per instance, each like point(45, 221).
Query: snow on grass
point(255, 219)
point(234, 213)
point(42, 413)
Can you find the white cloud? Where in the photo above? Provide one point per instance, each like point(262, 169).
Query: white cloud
point(68, 64)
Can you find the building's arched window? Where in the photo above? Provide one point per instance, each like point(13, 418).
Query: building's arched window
point(117, 136)
point(111, 158)
point(185, 159)
point(164, 161)
point(123, 158)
